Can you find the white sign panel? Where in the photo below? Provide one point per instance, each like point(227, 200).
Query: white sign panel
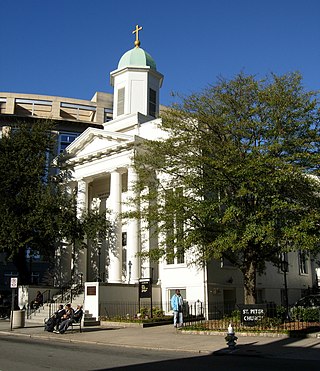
point(14, 282)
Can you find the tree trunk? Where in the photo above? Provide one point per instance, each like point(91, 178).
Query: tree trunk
point(249, 277)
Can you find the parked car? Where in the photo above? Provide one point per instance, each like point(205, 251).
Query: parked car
point(306, 309)
point(309, 301)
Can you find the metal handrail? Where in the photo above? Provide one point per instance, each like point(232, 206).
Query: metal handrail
point(45, 294)
point(66, 294)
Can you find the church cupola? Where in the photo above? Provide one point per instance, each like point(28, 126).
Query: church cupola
point(136, 83)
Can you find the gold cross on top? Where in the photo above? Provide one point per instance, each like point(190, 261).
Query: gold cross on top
point(136, 31)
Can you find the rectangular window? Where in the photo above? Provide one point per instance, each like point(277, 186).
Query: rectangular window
point(65, 139)
point(124, 181)
point(303, 262)
point(120, 106)
point(180, 256)
point(35, 278)
point(169, 228)
point(124, 239)
point(174, 227)
point(108, 114)
point(152, 102)
point(179, 217)
point(284, 262)
point(3, 102)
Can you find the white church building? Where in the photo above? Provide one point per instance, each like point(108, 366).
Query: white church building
point(103, 176)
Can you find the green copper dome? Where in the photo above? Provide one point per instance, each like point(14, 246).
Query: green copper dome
point(137, 57)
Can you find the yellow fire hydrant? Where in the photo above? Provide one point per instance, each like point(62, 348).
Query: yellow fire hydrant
point(231, 338)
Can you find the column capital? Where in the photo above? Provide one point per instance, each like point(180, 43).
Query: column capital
point(120, 170)
point(86, 180)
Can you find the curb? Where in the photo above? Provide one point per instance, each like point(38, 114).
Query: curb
point(133, 324)
point(252, 334)
point(77, 341)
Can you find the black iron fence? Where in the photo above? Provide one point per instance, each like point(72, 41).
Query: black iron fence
point(145, 310)
point(218, 316)
point(259, 318)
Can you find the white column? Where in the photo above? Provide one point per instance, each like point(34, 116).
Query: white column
point(81, 197)
point(80, 261)
point(133, 240)
point(115, 246)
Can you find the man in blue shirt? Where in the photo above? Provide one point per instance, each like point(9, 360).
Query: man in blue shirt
point(177, 306)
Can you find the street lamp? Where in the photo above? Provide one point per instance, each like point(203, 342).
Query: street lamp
point(99, 259)
point(129, 276)
point(284, 268)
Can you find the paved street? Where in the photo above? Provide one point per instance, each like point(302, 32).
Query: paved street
point(28, 354)
point(137, 348)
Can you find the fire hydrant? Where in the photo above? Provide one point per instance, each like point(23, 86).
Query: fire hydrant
point(231, 338)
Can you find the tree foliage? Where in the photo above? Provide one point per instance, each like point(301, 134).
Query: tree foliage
point(246, 154)
point(36, 210)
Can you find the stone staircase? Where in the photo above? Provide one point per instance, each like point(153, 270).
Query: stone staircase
point(89, 320)
point(40, 315)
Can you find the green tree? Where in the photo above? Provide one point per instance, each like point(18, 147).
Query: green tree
point(246, 154)
point(36, 211)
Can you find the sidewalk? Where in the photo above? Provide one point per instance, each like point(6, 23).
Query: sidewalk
point(168, 338)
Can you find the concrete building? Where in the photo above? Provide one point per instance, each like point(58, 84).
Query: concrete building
point(71, 116)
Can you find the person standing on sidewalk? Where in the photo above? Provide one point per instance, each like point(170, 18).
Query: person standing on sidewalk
point(177, 307)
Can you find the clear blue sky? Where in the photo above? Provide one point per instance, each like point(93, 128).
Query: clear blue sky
point(68, 47)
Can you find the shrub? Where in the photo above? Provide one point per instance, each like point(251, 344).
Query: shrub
point(305, 314)
point(157, 312)
point(236, 315)
point(144, 311)
point(268, 322)
point(281, 312)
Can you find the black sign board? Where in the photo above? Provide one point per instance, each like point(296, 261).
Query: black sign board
point(91, 290)
point(252, 313)
point(145, 289)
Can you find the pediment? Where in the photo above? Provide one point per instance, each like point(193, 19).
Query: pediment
point(93, 141)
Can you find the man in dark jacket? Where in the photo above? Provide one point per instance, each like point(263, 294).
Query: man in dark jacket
point(58, 316)
point(55, 320)
point(75, 317)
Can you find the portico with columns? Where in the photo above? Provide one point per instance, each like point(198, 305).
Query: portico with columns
point(103, 174)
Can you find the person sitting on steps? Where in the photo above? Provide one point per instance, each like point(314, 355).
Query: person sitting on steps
point(38, 301)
